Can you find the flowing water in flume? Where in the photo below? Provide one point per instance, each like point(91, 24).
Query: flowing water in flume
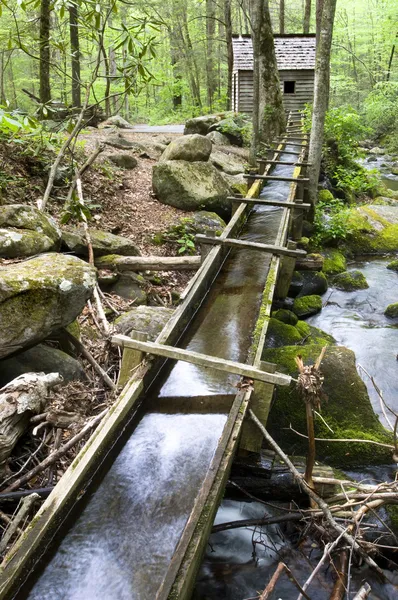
point(120, 546)
point(356, 320)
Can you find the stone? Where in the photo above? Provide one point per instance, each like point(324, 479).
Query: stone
point(41, 359)
point(238, 183)
point(281, 334)
point(377, 151)
point(129, 286)
point(191, 186)
point(392, 311)
point(188, 147)
point(202, 221)
point(40, 295)
point(350, 281)
point(325, 196)
point(149, 319)
point(314, 282)
point(201, 124)
point(103, 243)
point(26, 231)
point(334, 261)
point(218, 139)
point(120, 142)
point(286, 316)
point(117, 121)
point(229, 163)
point(346, 409)
point(123, 160)
point(373, 229)
point(230, 129)
point(393, 265)
point(306, 306)
point(296, 284)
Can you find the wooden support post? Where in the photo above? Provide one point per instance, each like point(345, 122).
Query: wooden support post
point(296, 225)
point(202, 360)
point(285, 274)
point(260, 402)
point(131, 358)
point(245, 244)
point(286, 204)
point(204, 248)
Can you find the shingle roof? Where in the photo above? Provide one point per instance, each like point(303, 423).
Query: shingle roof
point(293, 52)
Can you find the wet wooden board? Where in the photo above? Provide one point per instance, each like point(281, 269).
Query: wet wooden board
point(247, 245)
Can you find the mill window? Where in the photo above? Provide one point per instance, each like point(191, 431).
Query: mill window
point(289, 87)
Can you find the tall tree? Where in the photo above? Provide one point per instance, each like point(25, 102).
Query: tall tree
point(44, 52)
point(210, 62)
point(321, 95)
point(230, 53)
point(75, 53)
point(281, 17)
point(307, 16)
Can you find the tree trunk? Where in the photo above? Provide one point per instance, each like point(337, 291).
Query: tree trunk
point(44, 42)
point(321, 95)
point(230, 54)
point(271, 112)
point(318, 16)
point(75, 51)
point(210, 63)
point(307, 16)
point(174, 59)
point(281, 17)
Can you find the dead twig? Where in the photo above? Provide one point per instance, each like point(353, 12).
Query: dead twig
point(363, 592)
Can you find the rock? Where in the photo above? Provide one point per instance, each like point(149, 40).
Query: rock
point(283, 334)
point(286, 316)
point(384, 200)
point(39, 296)
point(218, 139)
point(306, 306)
point(296, 284)
point(123, 160)
point(228, 163)
point(238, 183)
point(334, 262)
point(103, 243)
point(325, 196)
point(188, 147)
point(348, 410)
point(116, 121)
point(311, 262)
point(201, 125)
point(377, 151)
point(202, 221)
point(120, 142)
point(392, 311)
point(314, 282)
point(393, 265)
point(350, 281)
point(308, 228)
point(230, 128)
point(129, 286)
point(41, 359)
point(373, 229)
point(25, 231)
point(149, 319)
point(191, 186)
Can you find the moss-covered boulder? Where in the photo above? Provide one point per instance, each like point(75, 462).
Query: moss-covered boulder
point(325, 196)
point(334, 261)
point(373, 229)
point(237, 183)
point(296, 284)
point(218, 139)
point(41, 359)
point(25, 231)
point(188, 147)
point(229, 163)
point(393, 265)
point(103, 243)
point(283, 334)
point(129, 286)
point(392, 311)
point(191, 186)
point(306, 306)
point(286, 316)
point(314, 282)
point(314, 335)
point(40, 295)
point(236, 128)
point(346, 408)
point(123, 160)
point(201, 124)
point(201, 221)
point(350, 281)
point(149, 319)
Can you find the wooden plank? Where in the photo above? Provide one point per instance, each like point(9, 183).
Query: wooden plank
point(246, 245)
point(149, 263)
point(282, 162)
point(275, 178)
point(286, 142)
point(201, 360)
point(271, 202)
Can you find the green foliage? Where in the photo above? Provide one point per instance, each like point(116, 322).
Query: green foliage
point(182, 235)
point(187, 244)
point(331, 222)
point(381, 113)
point(77, 210)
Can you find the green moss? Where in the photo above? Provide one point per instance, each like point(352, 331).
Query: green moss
point(364, 238)
point(303, 242)
point(393, 265)
point(281, 334)
point(350, 281)
point(334, 261)
point(392, 311)
point(314, 335)
point(305, 306)
point(325, 196)
point(347, 409)
point(286, 316)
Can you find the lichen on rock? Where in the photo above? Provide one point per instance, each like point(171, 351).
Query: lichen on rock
point(334, 261)
point(350, 281)
point(26, 231)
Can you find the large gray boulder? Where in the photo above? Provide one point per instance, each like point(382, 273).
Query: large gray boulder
point(116, 121)
point(40, 295)
point(218, 139)
point(149, 319)
point(188, 147)
point(201, 125)
point(25, 231)
point(191, 186)
point(41, 359)
point(123, 160)
point(103, 243)
point(120, 142)
point(229, 163)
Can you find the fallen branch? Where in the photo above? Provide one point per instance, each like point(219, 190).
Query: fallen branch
point(26, 505)
point(363, 592)
point(79, 173)
point(149, 263)
point(271, 585)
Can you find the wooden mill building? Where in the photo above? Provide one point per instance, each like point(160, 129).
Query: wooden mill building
point(295, 56)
